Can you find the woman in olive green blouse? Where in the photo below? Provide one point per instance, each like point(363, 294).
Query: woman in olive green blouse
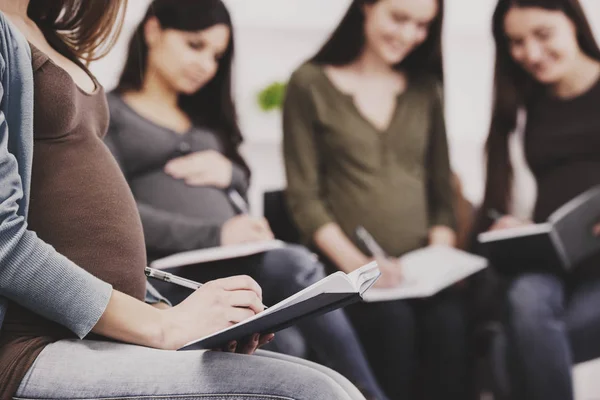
point(365, 145)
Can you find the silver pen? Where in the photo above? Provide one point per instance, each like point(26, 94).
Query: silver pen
point(174, 279)
point(370, 243)
point(238, 201)
point(168, 277)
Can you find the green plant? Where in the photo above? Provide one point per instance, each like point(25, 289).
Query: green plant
point(271, 97)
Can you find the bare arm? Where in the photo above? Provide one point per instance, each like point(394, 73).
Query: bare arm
point(332, 241)
point(129, 320)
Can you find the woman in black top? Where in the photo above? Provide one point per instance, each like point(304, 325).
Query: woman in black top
point(548, 64)
point(175, 134)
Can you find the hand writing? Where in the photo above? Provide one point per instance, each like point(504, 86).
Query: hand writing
point(508, 221)
point(216, 305)
point(391, 273)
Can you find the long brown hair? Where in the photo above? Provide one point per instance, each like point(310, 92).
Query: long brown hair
point(212, 106)
point(513, 89)
point(348, 40)
point(79, 29)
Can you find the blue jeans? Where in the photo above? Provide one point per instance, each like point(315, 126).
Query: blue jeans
point(85, 369)
point(549, 326)
point(282, 273)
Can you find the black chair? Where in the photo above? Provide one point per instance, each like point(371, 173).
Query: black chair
point(277, 214)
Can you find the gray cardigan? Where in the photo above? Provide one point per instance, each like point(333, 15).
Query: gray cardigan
point(32, 273)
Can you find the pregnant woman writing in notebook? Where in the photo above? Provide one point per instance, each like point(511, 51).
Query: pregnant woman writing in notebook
point(365, 145)
point(72, 253)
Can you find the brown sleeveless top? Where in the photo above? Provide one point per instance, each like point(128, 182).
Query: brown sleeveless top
point(80, 204)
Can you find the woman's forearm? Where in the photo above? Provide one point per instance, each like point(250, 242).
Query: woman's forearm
point(442, 235)
point(129, 320)
point(332, 241)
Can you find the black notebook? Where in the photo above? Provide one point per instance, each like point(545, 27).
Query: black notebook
point(556, 246)
point(335, 291)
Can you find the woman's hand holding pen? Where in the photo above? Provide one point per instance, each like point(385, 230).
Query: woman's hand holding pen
point(502, 221)
point(506, 222)
point(244, 229)
point(391, 273)
point(203, 168)
point(215, 306)
point(596, 230)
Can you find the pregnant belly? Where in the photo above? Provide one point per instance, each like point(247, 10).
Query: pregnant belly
point(163, 192)
point(82, 205)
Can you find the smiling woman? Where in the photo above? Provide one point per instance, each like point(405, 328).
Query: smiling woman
point(365, 145)
point(406, 34)
point(548, 67)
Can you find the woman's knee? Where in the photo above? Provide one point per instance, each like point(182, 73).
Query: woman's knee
point(532, 299)
point(303, 380)
point(317, 385)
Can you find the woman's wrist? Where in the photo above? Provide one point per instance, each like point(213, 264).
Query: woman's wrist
point(348, 259)
point(442, 235)
point(339, 248)
point(355, 261)
point(169, 336)
point(130, 320)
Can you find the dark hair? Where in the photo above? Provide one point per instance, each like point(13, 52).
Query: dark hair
point(348, 40)
point(513, 89)
point(212, 106)
point(79, 29)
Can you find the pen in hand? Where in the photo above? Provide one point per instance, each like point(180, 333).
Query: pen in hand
point(168, 277)
point(238, 201)
point(174, 279)
point(391, 275)
point(494, 214)
point(372, 246)
point(502, 221)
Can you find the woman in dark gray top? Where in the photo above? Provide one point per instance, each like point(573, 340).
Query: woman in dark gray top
point(178, 216)
point(547, 66)
point(174, 132)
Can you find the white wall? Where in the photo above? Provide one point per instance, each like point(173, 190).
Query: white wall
point(274, 36)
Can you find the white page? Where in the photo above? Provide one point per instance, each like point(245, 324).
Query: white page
point(519, 231)
point(216, 254)
point(364, 277)
point(427, 271)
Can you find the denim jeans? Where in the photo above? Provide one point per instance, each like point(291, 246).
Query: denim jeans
point(281, 273)
point(85, 369)
point(549, 326)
